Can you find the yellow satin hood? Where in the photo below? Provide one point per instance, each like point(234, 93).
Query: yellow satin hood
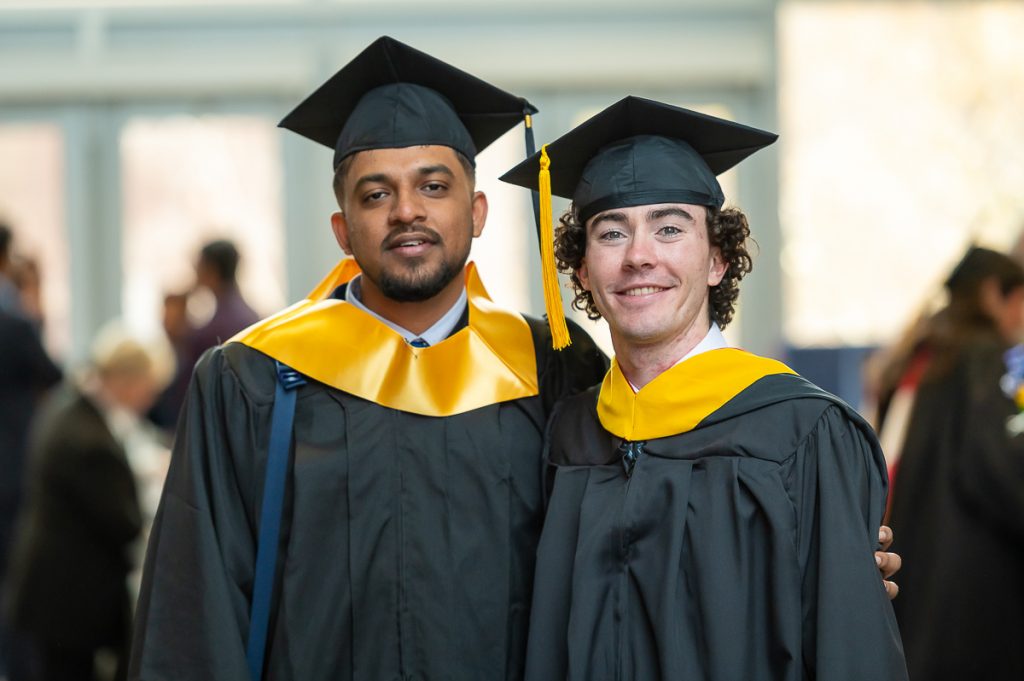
point(680, 398)
point(490, 361)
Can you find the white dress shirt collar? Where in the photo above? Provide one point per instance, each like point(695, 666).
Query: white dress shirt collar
point(713, 340)
point(441, 329)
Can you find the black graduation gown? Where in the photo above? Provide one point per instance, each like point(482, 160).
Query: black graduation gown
point(740, 550)
point(26, 371)
point(958, 515)
point(408, 541)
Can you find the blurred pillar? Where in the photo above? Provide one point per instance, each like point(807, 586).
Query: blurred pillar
point(761, 293)
point(93, 221)
point(311, 249)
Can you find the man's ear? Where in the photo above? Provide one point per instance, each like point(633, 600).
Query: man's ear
point(339, 225)
point(583, 275)
point(479, 213)
point(717, 269)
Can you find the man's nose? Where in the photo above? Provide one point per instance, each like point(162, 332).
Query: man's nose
point(640, 252)
point(408, 207)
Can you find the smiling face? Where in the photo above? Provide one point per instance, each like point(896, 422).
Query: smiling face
point(408, 217)
point(649, 270)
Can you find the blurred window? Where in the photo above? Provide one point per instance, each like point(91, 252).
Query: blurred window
point(32, 203)
point(508, 242)
point(188, 180)
point(901, 142)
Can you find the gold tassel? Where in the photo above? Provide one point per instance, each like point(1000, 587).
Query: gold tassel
point(552, 297)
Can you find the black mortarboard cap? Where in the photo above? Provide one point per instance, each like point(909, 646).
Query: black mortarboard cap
point(639, 152)
point(392, 96)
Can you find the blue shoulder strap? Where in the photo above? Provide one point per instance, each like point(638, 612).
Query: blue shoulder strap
point(270, 515)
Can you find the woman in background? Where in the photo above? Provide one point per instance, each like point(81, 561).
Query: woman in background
point(958, 500)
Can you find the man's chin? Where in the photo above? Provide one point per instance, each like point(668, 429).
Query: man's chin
point(419, 286)
point(637, 333)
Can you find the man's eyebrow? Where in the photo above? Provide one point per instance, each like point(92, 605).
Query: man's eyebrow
point(659, 213)
point(422, 171)
point(613, 216)
point(372, 178)
point(439, 168)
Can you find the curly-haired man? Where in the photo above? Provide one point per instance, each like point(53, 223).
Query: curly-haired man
point(727, 230)
point(712, 514)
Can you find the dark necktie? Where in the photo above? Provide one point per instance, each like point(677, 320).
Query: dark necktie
point(419, 343)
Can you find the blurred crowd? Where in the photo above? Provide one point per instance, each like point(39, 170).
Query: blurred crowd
point(84, 452)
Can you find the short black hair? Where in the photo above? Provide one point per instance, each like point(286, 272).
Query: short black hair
point(222, 256)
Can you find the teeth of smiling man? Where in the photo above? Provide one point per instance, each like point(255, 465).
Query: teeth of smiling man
point(643, 290)
point(411, 243)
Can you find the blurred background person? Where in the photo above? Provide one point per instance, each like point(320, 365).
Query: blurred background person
point(26, 372)
point(28, 282)
point(10, 299)
point(216, 273)
point(20, 281)
point(73, 550)
point(174, 321)
point(958, 498)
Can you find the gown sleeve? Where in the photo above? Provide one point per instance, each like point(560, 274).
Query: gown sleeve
point(193, 612)
point(849, 628)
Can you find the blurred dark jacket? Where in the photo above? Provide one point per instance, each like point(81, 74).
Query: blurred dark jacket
point(25, 373)
point(70, 558)
point(231, 315)
point(958, 516)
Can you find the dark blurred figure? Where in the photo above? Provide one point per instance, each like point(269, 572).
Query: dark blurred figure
point(175, 318)
point(20, 282)
point(10, 299)
point(26, 371)
point(215, 271)
point(958, 500)
point(177, 329)
point(66, 586)
point(28, 282)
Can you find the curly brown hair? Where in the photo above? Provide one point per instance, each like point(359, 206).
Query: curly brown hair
point(728, 231)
